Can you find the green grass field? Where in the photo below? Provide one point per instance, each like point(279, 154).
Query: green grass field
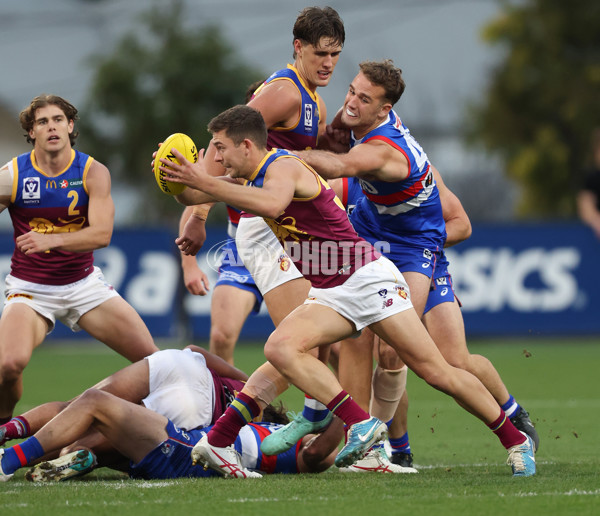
point(462, 466)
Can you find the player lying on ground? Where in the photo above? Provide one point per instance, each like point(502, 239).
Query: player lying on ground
point(155, 447)
point(201, 383)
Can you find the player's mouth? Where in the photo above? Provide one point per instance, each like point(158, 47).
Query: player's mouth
point(53, 138)
point(324, 76)
point(350, 113)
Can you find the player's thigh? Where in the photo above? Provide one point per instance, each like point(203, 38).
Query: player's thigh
point(310, 326)
point(132, 429)
point(445, 324)
point(119, 326)
point(405, 332)
point(284, 299)
point(229, 308)
point(418, 285)
point(132, 383)
point(22, 329)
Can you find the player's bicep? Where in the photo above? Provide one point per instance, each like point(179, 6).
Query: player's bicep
point(278, 103)
point(101, 209)
point(6, 186)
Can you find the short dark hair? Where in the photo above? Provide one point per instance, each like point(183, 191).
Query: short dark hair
point(386, 75)
point(314, 23)
point(241, 122)
point(27, 116)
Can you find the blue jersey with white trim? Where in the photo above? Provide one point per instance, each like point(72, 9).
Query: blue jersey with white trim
point(406, 212)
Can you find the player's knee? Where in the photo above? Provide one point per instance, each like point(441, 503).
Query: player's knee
point(221, 341)
point(275, 351)
point(11, 369)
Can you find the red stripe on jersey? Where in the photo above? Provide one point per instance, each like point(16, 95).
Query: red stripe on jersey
point(267, 462)
point(234, 215)
point(344, 194)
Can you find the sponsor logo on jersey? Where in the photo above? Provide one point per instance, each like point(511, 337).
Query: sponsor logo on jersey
point(427, 254)
point(167, 449)
point(31, 188)
point(308, 117)
point(441, 281)
point(50, 183)
point(383, 292)
point(64, 184)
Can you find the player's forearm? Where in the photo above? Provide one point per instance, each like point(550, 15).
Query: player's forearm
point(82, 241)
point(257, 201)
point(457, 231)
point(327, 164)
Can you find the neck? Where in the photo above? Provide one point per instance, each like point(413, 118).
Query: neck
point(298, 66)
point(52, 163)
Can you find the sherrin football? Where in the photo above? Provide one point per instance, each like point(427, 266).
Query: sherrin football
point(184, 144)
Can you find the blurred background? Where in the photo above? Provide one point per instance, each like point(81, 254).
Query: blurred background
point(503, 96)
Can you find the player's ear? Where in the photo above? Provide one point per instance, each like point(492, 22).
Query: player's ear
point(385, 109)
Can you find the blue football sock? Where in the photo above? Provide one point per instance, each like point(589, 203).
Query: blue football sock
point(314, 410)
point(21, 454)
point(400, 445)
point(511, 407)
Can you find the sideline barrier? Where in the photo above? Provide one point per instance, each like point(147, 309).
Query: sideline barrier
point(513, 280)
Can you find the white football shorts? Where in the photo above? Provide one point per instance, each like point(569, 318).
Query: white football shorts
point(263, 255)
point(181, 388)
point(67, 303)
point(374, 292)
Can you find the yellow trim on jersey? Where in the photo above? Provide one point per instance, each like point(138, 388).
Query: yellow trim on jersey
point(257, 170)
point(86, 169)
point(35, 165)
point(13, 195)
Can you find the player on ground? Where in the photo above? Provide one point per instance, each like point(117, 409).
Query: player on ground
point(352, 287)
point(155, 446)
point(192, 387)
point(61, 209)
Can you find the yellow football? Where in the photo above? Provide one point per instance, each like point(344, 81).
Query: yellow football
point(184, 144)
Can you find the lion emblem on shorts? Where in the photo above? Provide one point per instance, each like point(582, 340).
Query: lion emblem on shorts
point(284, 263)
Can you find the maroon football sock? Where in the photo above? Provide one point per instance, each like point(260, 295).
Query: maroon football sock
point(344, 407)
point(507, 433)
point(16, 428)
point(242, 410)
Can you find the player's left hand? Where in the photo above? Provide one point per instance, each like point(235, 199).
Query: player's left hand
point(34, 242)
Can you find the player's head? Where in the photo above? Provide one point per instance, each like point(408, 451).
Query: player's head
point(386, 75)
point(275, 414)
point(314, 23)
point(27, 117)
point(371, 96)
point(319, 36)
point(236, 133)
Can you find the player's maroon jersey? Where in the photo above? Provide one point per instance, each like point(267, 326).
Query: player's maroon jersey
point(50, 204)
point(316, 232)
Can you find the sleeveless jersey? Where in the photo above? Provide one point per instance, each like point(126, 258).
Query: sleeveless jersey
point(50, 204)
point(304, 134)
point(316, 232)
point(226, 389)
point(403, 213)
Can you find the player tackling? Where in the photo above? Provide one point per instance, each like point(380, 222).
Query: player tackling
point(352, 287)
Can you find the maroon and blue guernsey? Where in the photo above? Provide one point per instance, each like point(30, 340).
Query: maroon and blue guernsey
point(304, 134)
point(50, 204)
point(316, 232)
